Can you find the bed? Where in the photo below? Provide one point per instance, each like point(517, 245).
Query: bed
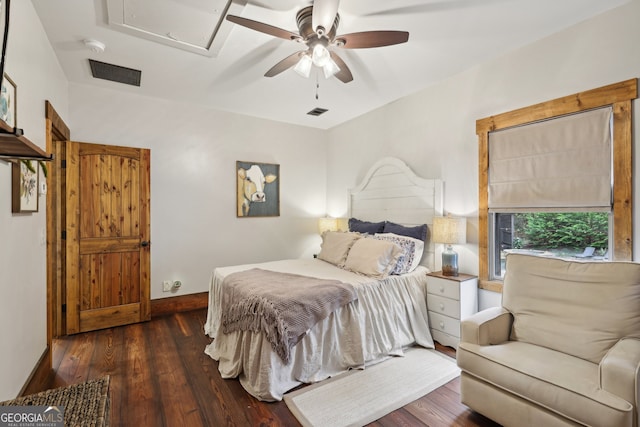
point(387, 315)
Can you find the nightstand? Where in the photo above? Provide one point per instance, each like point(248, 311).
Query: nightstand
point(450, 299)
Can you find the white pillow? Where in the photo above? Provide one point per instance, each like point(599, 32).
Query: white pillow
point(335, 246)
point(412, 250)
point(373, 257)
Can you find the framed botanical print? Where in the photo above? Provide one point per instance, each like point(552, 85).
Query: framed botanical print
point(8, 102)
point(24, 188)
point(258, 189)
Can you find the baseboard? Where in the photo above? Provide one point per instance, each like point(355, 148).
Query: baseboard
point(165, 306)
point(40, 376)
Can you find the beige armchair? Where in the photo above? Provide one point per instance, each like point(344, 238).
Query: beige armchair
point(563, 350)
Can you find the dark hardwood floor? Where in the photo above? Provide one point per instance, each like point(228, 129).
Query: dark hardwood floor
point(160, 376)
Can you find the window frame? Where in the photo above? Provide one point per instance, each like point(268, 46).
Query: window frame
point(619, 97)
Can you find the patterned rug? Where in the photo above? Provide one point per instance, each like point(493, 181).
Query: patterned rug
point(85, 404)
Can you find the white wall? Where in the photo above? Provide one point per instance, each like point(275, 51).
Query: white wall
point(434, 131)
point(31, 64)
point(194, 227)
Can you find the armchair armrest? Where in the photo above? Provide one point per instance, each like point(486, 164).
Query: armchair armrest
point(488, 327)
point(620, 370)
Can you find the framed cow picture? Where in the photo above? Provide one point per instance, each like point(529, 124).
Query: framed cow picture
point(258, 189)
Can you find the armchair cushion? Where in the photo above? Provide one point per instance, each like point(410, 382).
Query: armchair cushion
point(553, 380)
point(574, 307)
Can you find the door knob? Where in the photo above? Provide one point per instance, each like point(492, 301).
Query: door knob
point(145, 243)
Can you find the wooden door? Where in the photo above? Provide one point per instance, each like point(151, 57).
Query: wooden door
point(107, 236)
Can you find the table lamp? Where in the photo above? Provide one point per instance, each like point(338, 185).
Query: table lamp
point(327, 224)
point(450, 231)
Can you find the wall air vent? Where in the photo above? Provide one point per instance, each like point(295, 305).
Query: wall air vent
point(115, 73)
point(317, 111)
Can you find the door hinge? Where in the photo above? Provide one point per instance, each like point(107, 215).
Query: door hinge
point(64, 308)
point(64, 235)
point(63, 163)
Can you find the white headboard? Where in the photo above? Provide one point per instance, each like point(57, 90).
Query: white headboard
point(391, 191)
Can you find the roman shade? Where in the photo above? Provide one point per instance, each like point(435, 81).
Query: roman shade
point(553, 165)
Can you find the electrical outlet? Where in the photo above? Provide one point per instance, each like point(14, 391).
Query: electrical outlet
point(166, 286)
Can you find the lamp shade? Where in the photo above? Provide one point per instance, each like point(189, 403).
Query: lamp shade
point(449, 230)
point(327, 224)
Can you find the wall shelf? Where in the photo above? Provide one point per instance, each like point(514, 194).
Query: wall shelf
point(18, 147)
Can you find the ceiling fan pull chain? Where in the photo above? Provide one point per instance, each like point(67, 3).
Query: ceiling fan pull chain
point(317, 85)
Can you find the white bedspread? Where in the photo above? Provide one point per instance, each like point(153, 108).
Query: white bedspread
point(389, 315)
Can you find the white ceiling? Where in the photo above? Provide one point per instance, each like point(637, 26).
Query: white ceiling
point(446, 37)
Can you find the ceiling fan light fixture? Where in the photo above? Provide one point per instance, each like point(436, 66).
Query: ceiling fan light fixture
point(320, 55)
point(317, 29)
point(330, 68)
point(303, 67)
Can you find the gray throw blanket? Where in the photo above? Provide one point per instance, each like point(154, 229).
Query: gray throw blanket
point(283, 306)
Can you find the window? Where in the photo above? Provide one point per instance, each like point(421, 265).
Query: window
point(545, 180)
point(618, 199)
point(572, 235)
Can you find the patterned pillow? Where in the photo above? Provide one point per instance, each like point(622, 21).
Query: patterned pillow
point(412, 250)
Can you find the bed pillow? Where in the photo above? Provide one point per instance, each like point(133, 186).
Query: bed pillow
point(335, 246)
point(365, 226)
point(373, 257)
point(412, 250)
point(418, 232)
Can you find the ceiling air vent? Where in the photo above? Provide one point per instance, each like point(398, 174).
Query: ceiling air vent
point(115, 73)
point(317, 111)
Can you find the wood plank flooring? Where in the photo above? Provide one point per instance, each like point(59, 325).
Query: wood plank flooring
point(160, 376)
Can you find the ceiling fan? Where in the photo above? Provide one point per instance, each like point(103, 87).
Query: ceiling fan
point(317, 29)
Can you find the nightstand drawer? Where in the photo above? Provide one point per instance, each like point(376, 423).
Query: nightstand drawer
point(447, 306)
point(444, 324)
point(443, 287)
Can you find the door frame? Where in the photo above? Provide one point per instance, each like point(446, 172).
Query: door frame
point(58, 136)
point(40, 378)
point(56, 131)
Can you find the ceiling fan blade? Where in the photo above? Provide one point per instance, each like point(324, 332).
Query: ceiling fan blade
point(324, 13)
point(263, 28)
point(284, 65)
point(368, 39)
point(344, 75)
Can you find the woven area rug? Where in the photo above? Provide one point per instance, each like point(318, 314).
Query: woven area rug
point(85, 404)
point(359, 397)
